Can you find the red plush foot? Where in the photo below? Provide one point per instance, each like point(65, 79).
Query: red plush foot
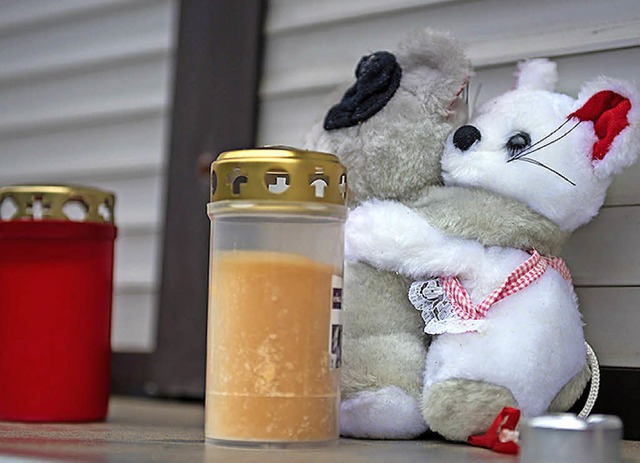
point(501, 436)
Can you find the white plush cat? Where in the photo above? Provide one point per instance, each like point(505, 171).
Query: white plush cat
point(510, 317)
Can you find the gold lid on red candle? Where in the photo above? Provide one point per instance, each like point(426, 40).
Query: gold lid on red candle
point(56, 202)
point(278, 173)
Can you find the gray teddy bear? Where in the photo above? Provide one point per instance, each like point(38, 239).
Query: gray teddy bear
point(389, 130)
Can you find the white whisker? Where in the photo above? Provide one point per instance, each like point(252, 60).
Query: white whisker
point(529, 151)
point(538, 163)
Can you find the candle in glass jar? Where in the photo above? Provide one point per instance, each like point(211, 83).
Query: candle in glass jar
point(275, 289)
point(270, 375)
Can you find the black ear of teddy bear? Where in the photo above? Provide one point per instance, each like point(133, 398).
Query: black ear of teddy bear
point(378, 77)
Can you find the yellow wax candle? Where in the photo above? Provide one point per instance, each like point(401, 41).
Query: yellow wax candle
point(269, 375)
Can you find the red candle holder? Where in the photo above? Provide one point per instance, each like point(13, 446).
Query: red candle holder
point(56, 286)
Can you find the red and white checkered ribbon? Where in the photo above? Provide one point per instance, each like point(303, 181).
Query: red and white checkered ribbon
point(526, 273)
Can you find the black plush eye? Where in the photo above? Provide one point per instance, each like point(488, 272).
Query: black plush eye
point(517, 143)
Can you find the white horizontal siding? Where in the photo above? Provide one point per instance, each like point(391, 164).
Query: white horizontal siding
point(612, 318)
point(136, 260)
point(313, 46)
point(134, 321)
point(125, 29)
point(124, 144)
point(21, 14)
point(606, 252)
point(85, 99)
point(78, 98)
point(496, 31)
point(286, 16)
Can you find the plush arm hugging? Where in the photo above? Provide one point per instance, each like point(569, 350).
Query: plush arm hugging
point(393, 237)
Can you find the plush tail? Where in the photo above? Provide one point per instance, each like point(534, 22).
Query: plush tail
point(594, 388)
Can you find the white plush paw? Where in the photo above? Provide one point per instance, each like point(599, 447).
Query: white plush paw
point(387, 413)
point(390, 236)
point(376, 232)
point(358, 236)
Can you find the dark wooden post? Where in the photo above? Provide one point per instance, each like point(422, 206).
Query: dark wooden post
point(215, 109)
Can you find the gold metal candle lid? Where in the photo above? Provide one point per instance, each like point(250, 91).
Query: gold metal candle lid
point(56, 202)
point(278, 173)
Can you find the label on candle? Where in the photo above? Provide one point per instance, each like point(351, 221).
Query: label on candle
point(335, 339)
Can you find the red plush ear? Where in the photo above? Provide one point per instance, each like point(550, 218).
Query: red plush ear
point(608, 111)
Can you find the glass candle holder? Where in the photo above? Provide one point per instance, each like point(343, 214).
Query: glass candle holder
point(274, 331)
point(56, 282)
